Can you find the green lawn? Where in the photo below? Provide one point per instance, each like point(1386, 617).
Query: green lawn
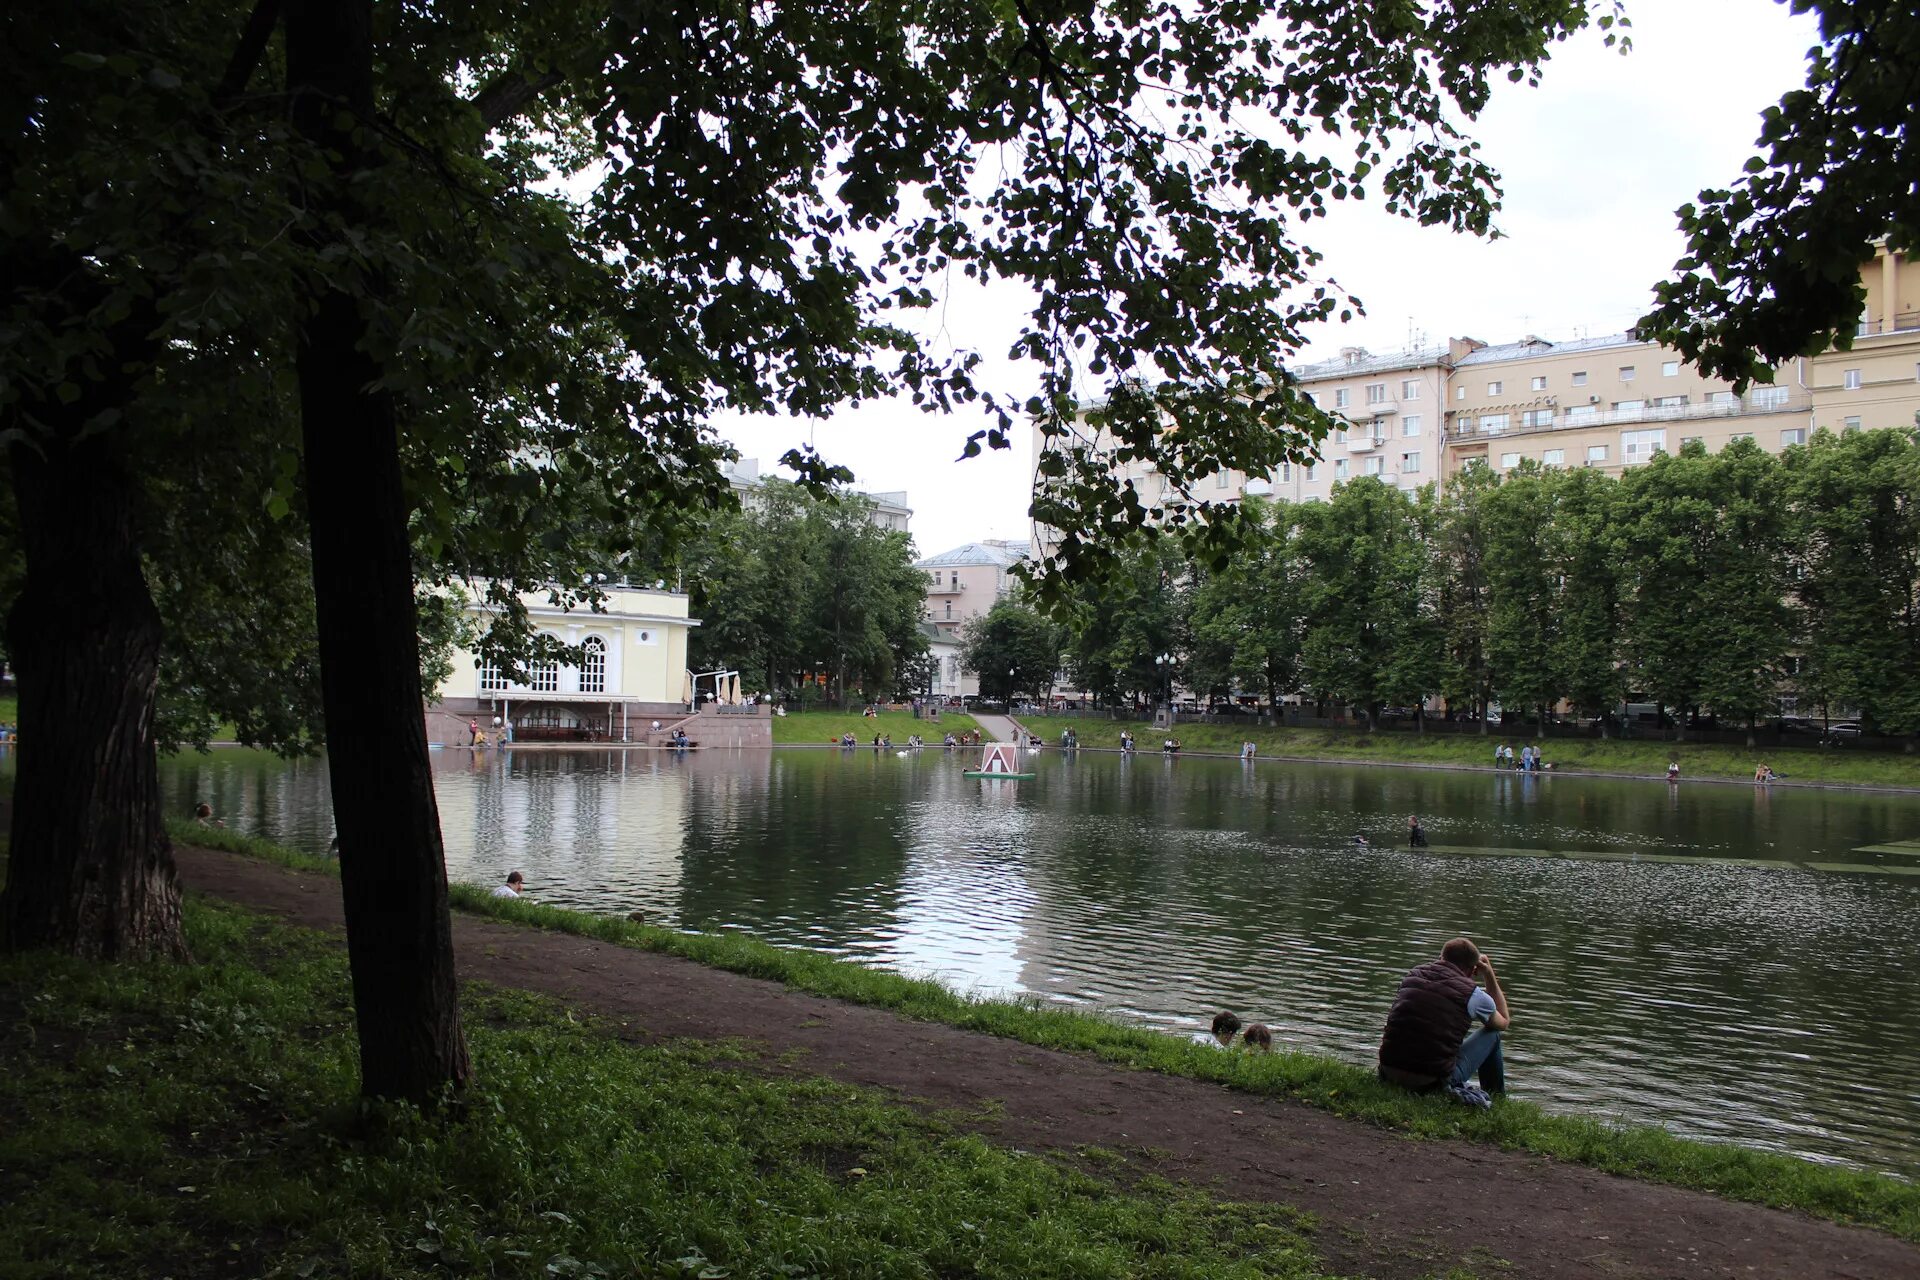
point(827, 726)
point(1342, 1088)
point(1795, 764)
point(202, 1120)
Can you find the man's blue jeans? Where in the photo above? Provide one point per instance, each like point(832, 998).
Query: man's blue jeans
point(1480, 1052)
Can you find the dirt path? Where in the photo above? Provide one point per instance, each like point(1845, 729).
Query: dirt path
point(1388, 1206)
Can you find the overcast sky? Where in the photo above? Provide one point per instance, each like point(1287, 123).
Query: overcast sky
point(1594, 162)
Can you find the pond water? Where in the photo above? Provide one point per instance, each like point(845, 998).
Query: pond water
point(1732, 962)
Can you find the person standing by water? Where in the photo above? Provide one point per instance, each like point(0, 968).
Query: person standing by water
point(1416, 834)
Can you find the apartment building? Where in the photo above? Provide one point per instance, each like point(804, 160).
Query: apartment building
point(1423, 415)
point(1608, 403)
point(962, 584)
point(887, 510)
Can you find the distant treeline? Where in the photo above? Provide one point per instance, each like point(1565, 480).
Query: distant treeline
point(1707, 583)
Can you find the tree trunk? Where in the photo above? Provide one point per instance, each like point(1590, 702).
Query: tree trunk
point(91, 871)
point(392, 869)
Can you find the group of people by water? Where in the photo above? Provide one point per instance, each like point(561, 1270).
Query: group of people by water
point(1530, 760)
point(1443, 1030)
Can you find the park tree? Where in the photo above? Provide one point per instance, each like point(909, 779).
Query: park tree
point(1013, 648)
point(1364, 557)
point(1523, 598)
point(1772, 265)
point(1463, 598)
point(373, 200)
point(1747, 585)
point(1585, 554)
point(1120, 626)
point(1243, 618)
point(1855, 501)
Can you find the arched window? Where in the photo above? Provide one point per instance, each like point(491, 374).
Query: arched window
point(491, 679)
point(545, 677)
point(593, 665)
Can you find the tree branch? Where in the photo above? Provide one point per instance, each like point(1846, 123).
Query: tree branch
point(246, 55)
point(508, 94)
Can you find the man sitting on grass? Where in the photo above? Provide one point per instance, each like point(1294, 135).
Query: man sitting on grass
point(1226, 1025)
point(1431, 1039)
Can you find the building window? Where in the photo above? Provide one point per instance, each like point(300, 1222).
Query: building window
point(1459, 393)
point(1539, 383)
point(1793, 435)
point(1340, 398)
point(1768, 397)
point(1639, 446)
point(1410, 425)
point(1340, 469)
point(1409, 464)
point(949, 617)
point(1339, 435)
point(1669, 368)
point(1375, 466)
point(1580, 378)
point(1626, 373)
point(1537, 418)
point(1629, 406)
point(491, 679)
point(1669, 402)
point(1508, 461)
point(1376, 393)
point(1581, 413)
point(1596, 453)
point(1286, 473)
point(545, 677)
point(1220, 479)
point(1553, 457)
point(593, 665)
point(1850, 424)
point(1721, 397)
point(1851, 378)
point(1410, 389)
point(1494, 388)
point(1493, 424)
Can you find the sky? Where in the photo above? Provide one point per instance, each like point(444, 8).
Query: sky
point(1594, 163)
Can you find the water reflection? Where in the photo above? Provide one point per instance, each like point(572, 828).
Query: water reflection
point(1671, 954)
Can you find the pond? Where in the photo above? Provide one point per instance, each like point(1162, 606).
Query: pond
point(1729, 961)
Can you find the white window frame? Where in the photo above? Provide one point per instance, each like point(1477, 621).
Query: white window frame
point(1669, 368)
point(1340, 398)
point(1850, 423)
point(1580, 378)
point(1638, 448)
point(1340, 469)
point(1496, 388)
point(1539, 382)
point(1376, 393)
point(1410, 387)
point(593, 665)
point(1596, 453)
point(1375, 466)
point(1628, 372)
point(1508, 461)
point(1493, 424)
point(1850, 379)
point(1410, 463)
point(1767, 397)
point(1410, 426)
point(1553, 457)
point(1792, 436)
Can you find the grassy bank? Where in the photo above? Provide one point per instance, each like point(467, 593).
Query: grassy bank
point(1339, 1087)
point(827, 726)
point(201, 1120)
point(1844, 765)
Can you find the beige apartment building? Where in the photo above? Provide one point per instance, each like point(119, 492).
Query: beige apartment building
point(1423, 415)
point(962, 584)
point(1607, 403)
point(887, 510)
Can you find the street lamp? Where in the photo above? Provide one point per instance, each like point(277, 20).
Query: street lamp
point(1163, 663)
point(1010, 671)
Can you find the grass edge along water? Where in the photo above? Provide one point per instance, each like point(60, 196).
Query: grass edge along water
point(1824, 766)
point(1878, 1200)
point(188, 1119)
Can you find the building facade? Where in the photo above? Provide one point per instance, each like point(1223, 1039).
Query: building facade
point(887, 510)
point(962, 584)
point(634, 671)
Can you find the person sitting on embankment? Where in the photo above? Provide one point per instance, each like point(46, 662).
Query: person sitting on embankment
point(1257, 1038)
point(1430, 1037)
point(1226, 1024)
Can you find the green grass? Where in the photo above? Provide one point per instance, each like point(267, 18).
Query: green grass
point(827, 726)
point(1342, 1088)
point(201, 1119)
point(10, 709)
point(1842, 765)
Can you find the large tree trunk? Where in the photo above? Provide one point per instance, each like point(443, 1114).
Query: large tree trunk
point(392, 869)
point(91, 872)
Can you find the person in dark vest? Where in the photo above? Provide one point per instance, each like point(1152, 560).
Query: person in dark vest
point(1432, 1038)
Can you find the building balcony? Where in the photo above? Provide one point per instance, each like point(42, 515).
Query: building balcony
point(1577, 417)
point(946, 588)
point(1364, 443)
point(1905, 322)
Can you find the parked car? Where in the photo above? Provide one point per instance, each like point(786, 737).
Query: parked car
point(1845, 729)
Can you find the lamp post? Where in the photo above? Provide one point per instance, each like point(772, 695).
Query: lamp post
point(1010, 671)
point(1163, 664)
